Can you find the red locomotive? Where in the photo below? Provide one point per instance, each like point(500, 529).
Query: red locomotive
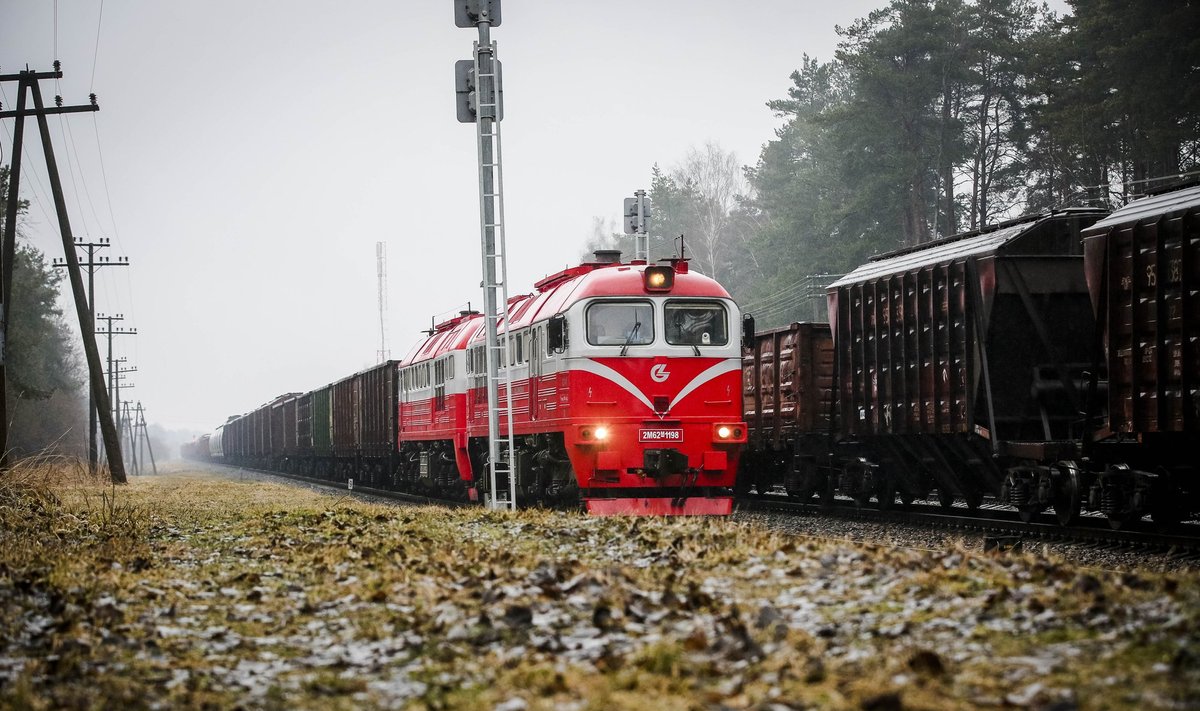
point(625, 387)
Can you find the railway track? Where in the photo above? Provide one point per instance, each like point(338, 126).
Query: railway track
point(1001, 527)
point(350, 487)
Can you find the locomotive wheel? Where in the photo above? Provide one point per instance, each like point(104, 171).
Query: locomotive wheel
point(1027, 513)
point(1118, 521)
point(945, 497)
point(906, 498)
point(1066, 496)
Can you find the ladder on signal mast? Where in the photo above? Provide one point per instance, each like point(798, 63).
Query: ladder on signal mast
point(502, 484)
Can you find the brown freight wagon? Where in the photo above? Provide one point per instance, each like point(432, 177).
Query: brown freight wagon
point(1143, 269)
point(960, 359)
point(787, 394)
point(260, 433)
point(364, 410)
point(281, 431)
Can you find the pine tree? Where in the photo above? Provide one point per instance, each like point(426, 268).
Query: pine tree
point(46, 407)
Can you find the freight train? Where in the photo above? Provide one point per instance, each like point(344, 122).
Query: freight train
point(625, 397)
point(1050, 362)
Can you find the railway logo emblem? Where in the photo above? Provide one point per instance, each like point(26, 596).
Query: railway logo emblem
point(659, 373)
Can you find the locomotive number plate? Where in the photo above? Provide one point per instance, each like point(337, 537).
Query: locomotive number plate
point(660, 434)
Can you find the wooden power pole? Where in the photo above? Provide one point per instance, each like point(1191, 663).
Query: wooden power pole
point(93, 263)
point(28, 80)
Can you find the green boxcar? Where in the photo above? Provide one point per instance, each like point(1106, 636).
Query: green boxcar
point(320, 422)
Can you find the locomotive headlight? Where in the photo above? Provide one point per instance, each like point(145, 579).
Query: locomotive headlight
point(600, 433)
point(658, 278)
point(729, 433)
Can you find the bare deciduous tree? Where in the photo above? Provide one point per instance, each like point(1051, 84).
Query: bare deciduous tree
point(716, 177)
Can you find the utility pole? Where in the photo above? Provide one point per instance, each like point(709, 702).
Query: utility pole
point(381, 272)
point(146, 438)
point(114, 396)
point(28, 80)
point(92, 264)
point(119, 384)
point(479, 100)
point(124, 422)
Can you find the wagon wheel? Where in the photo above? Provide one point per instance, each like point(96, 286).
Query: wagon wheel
point(1027, 512)
point(1066, 494)
point(1164, 506)
point(803, 493)
point(1166, 515)
point(945, 497)
point(1117, 521)
point(827, 494)
point(886, 492)
point(974, 499)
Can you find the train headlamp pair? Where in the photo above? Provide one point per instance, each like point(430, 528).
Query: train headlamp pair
point(594, 434)
point(729, 433)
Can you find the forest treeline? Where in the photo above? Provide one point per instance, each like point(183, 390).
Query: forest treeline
point(46, 403)
point(932, 118)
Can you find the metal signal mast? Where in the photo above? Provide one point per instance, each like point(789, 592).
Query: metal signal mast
point(381, 272)
point(479, 101)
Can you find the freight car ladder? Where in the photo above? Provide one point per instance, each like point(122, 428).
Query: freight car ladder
point(501, 479)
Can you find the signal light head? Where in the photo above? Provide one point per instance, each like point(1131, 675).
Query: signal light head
point(658, 278)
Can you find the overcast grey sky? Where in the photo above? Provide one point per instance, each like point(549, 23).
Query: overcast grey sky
point(255, 152)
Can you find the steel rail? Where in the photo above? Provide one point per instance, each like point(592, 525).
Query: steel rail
point(989, 522)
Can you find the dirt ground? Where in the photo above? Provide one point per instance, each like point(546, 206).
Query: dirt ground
point(191, 590)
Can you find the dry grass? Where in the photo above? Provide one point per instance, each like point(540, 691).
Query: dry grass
point(195, 591)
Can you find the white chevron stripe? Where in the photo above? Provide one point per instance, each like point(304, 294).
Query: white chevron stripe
point(725, 366)
point(608, 373)
point(595, 368)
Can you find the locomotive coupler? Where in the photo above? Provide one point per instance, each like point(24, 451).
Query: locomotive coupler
point(661, 463)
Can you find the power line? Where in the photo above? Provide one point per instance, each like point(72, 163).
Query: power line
point(82, 178)
point(96, 51)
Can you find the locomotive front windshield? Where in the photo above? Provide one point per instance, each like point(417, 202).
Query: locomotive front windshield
point(620, 323)
point(696, 323)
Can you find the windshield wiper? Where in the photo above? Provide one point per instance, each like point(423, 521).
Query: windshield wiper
point(632, 335)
